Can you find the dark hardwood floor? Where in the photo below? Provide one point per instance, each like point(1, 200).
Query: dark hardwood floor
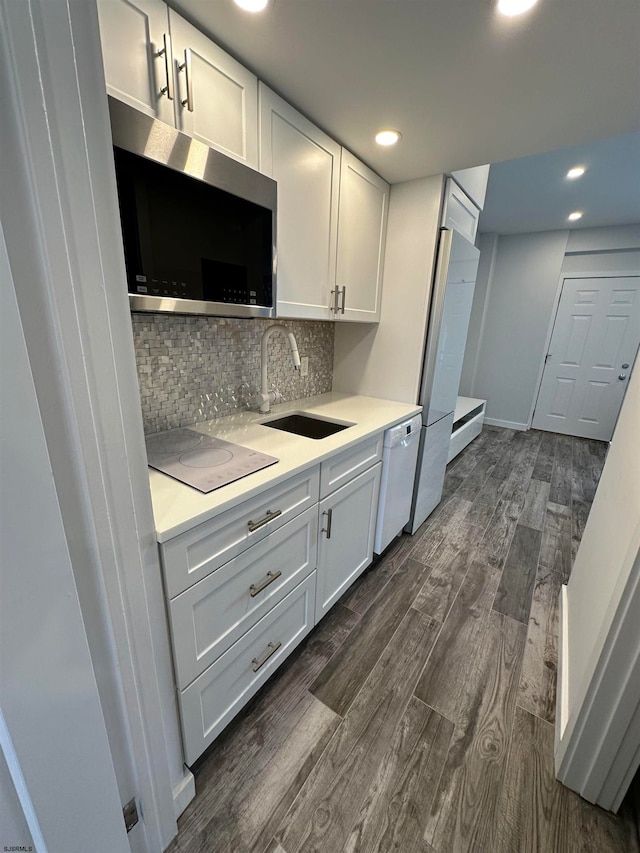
point(419, 715)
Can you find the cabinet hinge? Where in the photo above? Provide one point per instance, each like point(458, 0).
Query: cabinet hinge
point(130, 814)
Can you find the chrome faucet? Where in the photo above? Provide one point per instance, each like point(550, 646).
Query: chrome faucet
point(266, 397)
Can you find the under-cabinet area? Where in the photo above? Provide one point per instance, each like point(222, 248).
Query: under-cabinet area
point(250, 568)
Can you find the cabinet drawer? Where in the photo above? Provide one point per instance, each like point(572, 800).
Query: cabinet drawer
point(192, 555)
point(214, 698)
point(210, 616)
point(345, 466)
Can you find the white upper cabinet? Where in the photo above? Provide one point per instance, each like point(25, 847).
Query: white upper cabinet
point(362, 226)
point(216, 97)
point(306, 164)
point(459, 212)
point(137, 54)
point(474, 182)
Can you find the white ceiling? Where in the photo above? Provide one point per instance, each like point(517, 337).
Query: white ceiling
point(533, 193)
point(463, 84)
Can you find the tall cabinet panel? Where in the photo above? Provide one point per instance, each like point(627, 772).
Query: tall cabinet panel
point(362, 226)
point(216, 97)
point(137, 54)
point(306, 164)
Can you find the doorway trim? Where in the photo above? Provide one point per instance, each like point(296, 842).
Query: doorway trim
point(74, 310)
point(552, 322)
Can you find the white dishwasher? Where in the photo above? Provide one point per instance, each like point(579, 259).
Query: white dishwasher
point(399, 459)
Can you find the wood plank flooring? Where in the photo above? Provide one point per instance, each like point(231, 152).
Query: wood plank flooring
point(418, 717)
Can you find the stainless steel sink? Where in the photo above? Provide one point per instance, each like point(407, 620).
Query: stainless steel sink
point(308, 426)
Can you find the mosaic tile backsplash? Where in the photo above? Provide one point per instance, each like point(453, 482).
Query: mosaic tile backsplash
point(194, 369)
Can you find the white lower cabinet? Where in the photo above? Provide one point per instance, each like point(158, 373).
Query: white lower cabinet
point(210, 616)
point(245, 587)
point(347, 531)
point(216, 696)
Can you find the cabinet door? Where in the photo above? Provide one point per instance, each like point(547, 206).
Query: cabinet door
point(133, 34)
point(216, 97)
point(345, 542)
point(459, 212)
point(306, 164)
point(362, 227)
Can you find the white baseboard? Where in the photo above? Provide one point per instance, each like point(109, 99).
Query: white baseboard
point(562, 687)
point(505, 424)
point(184, 792)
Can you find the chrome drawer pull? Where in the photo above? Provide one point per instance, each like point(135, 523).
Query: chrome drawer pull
point(254, 525)
point(271, 649)
point(270, 578)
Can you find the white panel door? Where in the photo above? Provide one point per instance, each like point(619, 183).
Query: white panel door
point(134, 34)
point(593, 346)
point(216, 97)
point(362, 228)
point(306, 164)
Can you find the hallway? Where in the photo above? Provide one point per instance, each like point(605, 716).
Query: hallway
point(418, 716)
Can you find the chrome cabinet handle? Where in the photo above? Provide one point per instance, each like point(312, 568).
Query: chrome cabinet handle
point(186, 67)
point(327, 529)
point(167, 53)
point(271, 649)
point(344, 299)
point(622, 376)
point(254, 589)
point(254, 525)
point(336, 296)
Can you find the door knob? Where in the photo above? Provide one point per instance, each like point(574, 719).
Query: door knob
point(622, 376)
point(624, 366)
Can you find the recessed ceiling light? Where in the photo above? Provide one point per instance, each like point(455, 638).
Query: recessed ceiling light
point(388, 137)
point(576, 172)
point(252, 5)
point(577, 214)
point(515, 7)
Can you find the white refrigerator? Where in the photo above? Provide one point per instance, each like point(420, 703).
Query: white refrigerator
point(449, 313)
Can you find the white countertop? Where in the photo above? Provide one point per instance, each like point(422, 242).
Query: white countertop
point(177, 507)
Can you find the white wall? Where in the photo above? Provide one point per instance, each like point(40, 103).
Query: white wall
point(53, 737)
point(598, 729)
point(386, 360)
point(608, 547)
point(488, 245)
point(514, 306)
point(519, 298)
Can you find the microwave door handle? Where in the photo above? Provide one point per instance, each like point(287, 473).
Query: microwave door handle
point(186, 67)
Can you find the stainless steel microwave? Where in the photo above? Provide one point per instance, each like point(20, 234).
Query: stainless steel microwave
point(199, 228)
